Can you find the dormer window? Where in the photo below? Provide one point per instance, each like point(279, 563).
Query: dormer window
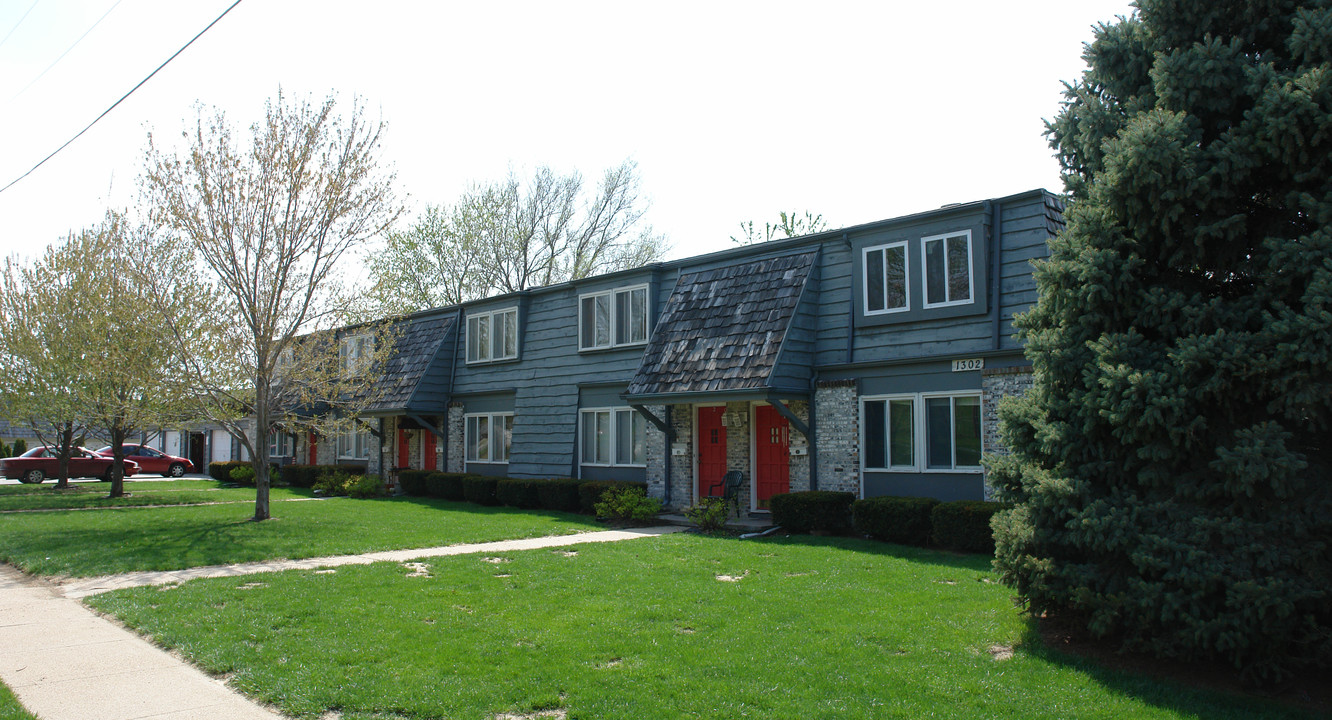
point(492, 335)
point(886, 289)
point(355, 353)
point(613, 318)
point(947, 269)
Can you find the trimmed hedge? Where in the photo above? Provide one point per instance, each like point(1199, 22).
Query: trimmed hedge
point(560, 494)
point(590, 492)
point(519, 493)
point(964, 525)
point(413, 482)
point(904, 520)
point(221, 471)
point(305, 476)
point(480, 489)
point(813, 510)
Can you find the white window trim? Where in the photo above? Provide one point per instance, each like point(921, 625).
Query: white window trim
point(489, 316)
point(925, 276)
point(906, 278)
point(355, 352)
point(357, 433)
point(613, 439)
point(919, 442)
point(279, 444)
point(610, 294)
point(467, 439)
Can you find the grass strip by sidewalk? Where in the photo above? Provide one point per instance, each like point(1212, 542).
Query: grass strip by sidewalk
point(93, 495)
point(84, 544)
point(10, 709)
point(678, 626)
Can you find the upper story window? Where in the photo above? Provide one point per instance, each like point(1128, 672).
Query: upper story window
point(947, 268)
point(355, 353)
point(488, 437)
point(492, 335)
point(613, 318)
point(886, 286)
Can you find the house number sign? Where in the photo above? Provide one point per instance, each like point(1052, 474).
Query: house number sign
point(965, 365)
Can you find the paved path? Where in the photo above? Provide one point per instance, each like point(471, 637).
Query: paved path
point(65, 662)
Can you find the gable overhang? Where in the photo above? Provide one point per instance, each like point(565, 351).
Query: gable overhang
point(758, 394)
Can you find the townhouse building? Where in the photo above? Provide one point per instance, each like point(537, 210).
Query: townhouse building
point(868, 359)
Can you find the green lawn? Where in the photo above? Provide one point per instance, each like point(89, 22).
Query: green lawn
point(672, 627)
point(10, 708)
point(93, 495)
point(85, 543)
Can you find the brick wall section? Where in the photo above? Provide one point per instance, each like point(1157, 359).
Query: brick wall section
point(682, 470)
point(838, 435)
point(799, 463)
point(997, 384)
point(656, 455)
point(737, 422)
point(455, 439)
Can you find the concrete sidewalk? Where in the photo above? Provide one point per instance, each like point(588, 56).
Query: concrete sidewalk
point(65, 662)
point(83, 587)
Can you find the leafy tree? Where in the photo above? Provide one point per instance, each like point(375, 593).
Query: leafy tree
point(255, 232)
point(512, 235)
point(47, 342)
point(1170, 468)
point(787, 226)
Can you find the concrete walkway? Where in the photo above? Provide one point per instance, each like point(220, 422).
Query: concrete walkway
point(65, 662)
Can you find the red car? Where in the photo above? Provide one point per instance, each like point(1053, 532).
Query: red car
point(40, 463)
point(152, 460)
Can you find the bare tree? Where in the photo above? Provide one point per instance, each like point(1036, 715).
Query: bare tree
point(509, 235)
point(254, 232)
point(788, 225)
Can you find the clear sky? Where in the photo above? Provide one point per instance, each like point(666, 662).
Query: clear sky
point(733, 110)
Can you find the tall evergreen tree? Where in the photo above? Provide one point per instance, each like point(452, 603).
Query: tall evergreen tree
point(1170, 468)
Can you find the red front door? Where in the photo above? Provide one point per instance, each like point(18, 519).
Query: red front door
point(404, 450)
point(711, 449)
point(772, 464)
point(314, 449)
point(428, 449)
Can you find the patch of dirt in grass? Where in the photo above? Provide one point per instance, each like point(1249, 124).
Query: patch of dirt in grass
point(566, 553)
point(418, 569)
point(794, 574)
point(733, 578)
point(503, 575)
point(326, 571)
point(495, 560)
point(944, 582)
point(331, 715)
point(685, 630)
point(557, 714)
point(168, 586)
point(1001, 652)
point(252, 586)
point(1310, 691)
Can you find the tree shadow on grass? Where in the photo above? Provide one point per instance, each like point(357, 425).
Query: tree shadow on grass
point(908, 553)
point(1188, 689)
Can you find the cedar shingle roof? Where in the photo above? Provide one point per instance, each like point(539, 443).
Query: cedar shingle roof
point(721, 329)
point(411, 358)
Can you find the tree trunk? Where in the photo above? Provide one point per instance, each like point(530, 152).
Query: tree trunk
point(63, 450)
point(258, 459)
point(117, 471)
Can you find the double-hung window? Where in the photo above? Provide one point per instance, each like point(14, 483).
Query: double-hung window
point(947, 268)
point(613, 318)
point(354, 444)
point(492, 335)
point(489, 437)
point(886, 286)
point(922, 432)
point(279, 444)
point(613, 436)
point(355, 352)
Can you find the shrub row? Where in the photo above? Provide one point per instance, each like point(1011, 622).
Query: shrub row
point(305, 476)
point(221, 470)
point(563, 494)
point(960, 525)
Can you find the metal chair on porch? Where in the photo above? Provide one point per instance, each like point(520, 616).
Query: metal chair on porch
point(729, 485)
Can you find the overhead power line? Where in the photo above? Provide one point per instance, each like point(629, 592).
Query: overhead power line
point(20, 22)
point(123, 97)
point(43, 73)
